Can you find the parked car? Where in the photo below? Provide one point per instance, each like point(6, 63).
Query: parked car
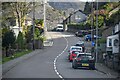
point(79, 33)
point(88, 37)
point(81, 44)
point(84, 60)
point(73, 54)
point(75, 48)
point(82, 33)
point(59, 27)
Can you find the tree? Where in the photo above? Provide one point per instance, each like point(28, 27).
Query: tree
point(17, 10)
point(114, 19)
point(20, 9)
point(100, 21)
point(8, 39)
point(20, 40)
point(87, 8)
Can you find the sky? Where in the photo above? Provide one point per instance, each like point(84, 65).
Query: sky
point(59, 0)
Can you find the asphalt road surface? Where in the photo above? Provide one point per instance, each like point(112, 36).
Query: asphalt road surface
point(52, 62)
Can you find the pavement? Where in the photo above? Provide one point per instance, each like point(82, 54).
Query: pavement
point(105, 70)
point(49, 42)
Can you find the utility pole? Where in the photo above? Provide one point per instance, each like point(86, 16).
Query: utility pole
point(119, 45)
point(92, 22)
point(97, 33)
point(33, 25)
point(45, 28)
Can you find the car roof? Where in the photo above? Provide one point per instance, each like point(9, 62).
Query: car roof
point(75, 47)
point(80, 42)
point(85, 53)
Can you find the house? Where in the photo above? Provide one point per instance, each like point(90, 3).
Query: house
point(113, 46)
point(28, 21)
point(15, 27)
point(78, 17)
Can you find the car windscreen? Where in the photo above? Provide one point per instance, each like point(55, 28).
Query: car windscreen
point(75, 52)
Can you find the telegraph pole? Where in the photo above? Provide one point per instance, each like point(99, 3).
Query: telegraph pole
point(45, 28)
point(92, 23)
point(97, 33)
point(33, 25)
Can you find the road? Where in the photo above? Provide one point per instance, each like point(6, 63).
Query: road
point(52, 62)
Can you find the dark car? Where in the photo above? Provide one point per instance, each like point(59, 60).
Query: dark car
point(83, 60)
point(79, 34)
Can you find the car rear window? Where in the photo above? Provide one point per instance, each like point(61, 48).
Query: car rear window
point(75, 52)
point(79, 44)
point(84, 56)
point(76, 48)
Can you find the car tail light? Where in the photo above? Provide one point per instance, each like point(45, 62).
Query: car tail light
point(78, 59)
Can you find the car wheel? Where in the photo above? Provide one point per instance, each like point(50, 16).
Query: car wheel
point(92, 68)
point(74, 66)
point(70, 60)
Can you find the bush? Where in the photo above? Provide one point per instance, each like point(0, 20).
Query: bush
point(80, 26)
point(102, 40)
point(8, 39)
point(20, 40)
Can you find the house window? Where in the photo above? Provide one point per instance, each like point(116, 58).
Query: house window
point(110, 42)
point(116, 42)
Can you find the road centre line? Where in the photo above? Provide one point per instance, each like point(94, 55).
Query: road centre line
point(55, 60)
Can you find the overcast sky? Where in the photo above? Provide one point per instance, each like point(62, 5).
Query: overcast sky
point(59, 0)
point(83, 0)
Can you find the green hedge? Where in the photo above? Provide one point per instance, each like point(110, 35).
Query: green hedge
point(81, 26)
point(102, 40)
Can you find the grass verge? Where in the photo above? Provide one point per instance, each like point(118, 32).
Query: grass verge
point(16, 55)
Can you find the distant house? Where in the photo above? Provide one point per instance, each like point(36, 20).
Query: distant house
point(78, 17)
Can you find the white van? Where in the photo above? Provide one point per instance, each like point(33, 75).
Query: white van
point(59, 27)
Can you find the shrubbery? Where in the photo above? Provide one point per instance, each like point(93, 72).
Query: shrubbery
point(8, 39)
point(20, 40)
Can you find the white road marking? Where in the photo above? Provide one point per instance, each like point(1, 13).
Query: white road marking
point(55, 60)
